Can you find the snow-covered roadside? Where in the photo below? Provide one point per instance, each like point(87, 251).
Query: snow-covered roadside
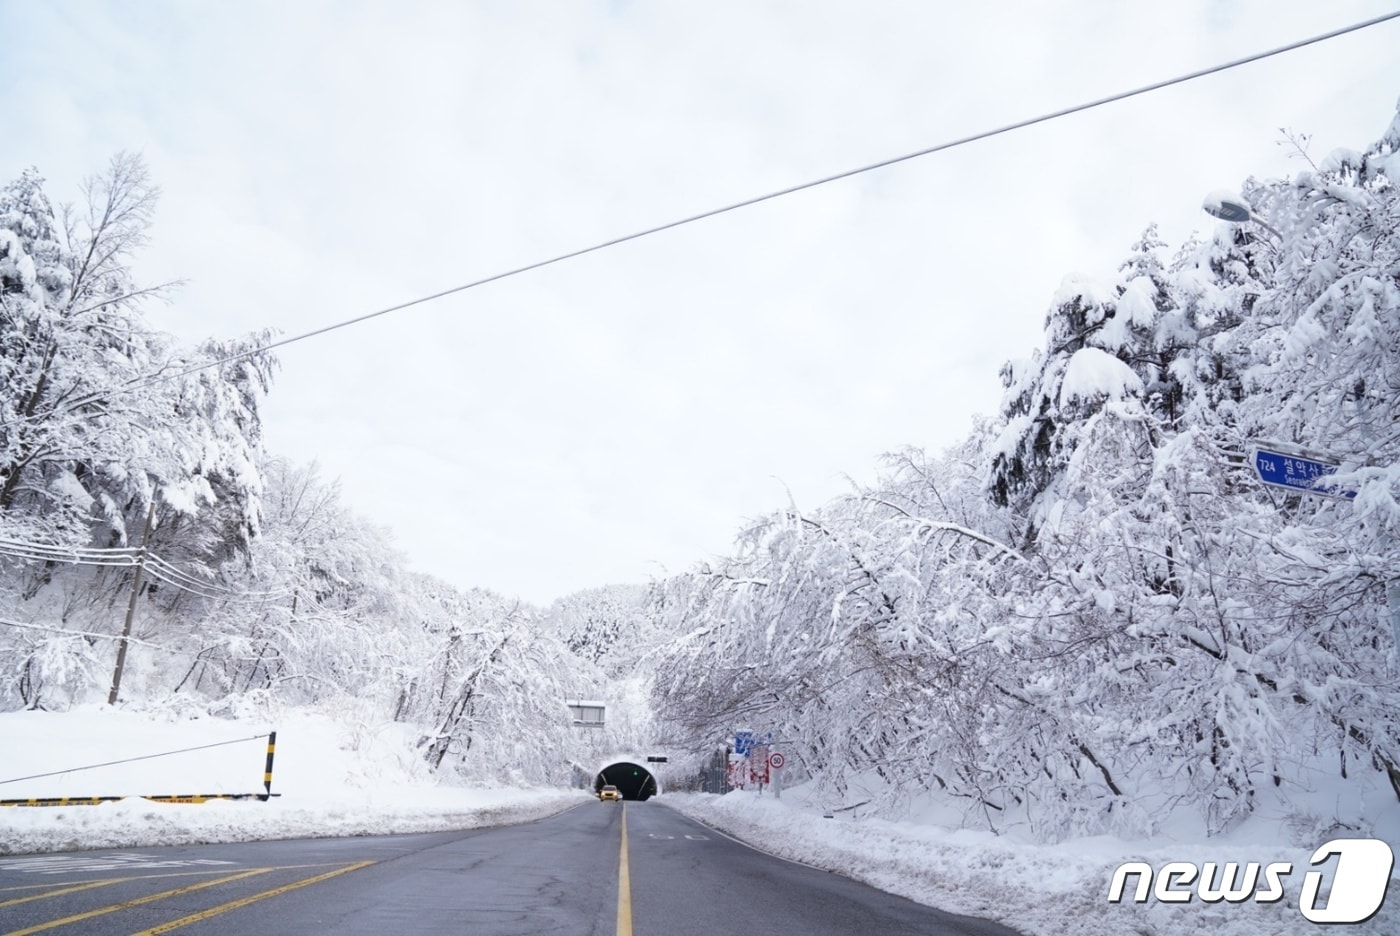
point(1040, 890)
point(138, 823)
point(339, 774)
point(335, 777)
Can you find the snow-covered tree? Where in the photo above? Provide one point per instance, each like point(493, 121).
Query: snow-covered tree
point(100, 416)
point(1092, 614)
point(608, 625)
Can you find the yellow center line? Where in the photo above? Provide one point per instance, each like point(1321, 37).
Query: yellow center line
point(137, 902)
point(78, 885)
point(253, 898)
point(624, 886)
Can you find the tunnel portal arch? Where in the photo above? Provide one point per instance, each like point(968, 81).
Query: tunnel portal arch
point(633, 780)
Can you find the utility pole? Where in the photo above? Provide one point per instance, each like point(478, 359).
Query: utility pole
point(131, 605)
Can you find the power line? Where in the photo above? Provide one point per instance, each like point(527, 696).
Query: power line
point(130, 557)
point(132, 760)
point(80, 555)
point(748, 202)
point(89, 635)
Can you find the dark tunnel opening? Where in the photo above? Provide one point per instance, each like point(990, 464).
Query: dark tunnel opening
point(633, 781)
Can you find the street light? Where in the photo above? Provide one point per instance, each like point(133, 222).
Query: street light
point(1227, 206)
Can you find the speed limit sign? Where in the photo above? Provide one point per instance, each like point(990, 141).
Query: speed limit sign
point(776, 760)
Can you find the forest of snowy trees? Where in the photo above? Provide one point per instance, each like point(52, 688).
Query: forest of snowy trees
point(1086, 616)
point(1090, 615)
point(253, 579)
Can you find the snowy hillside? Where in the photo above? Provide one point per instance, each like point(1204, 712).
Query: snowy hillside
point(332, 777)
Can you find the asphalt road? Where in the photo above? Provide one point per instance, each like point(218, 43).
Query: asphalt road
point(600, 868)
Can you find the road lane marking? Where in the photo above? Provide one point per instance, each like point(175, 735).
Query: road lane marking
point(47, 892)
point(88, 885)
point(152, 898)
point(624, 886)
point(252, 898)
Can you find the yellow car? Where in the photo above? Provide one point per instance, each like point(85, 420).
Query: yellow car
point(609, 792)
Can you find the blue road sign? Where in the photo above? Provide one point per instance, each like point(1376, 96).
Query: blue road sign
point(1295, 473)
point(746, 741)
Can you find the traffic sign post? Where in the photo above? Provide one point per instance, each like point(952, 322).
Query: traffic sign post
point(755, 763)
point(1296, 473)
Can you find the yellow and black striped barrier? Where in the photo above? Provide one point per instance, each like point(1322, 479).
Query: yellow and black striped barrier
point(155, 798)
point(60, 801)
point(267, 771)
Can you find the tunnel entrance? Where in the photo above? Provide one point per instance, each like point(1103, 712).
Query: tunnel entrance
point(633, 781)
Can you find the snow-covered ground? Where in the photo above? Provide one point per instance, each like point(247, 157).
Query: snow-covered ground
point(340, 776)
point(335, 776)
point(1037, 889)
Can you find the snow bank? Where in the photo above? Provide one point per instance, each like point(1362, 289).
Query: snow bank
point(1040, 890)
point(335, 777)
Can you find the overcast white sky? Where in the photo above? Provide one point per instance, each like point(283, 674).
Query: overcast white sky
point(618, 416)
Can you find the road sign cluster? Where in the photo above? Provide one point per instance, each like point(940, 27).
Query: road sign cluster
point(752, 762)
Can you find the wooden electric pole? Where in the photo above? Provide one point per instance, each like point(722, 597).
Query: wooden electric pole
point(131, 606)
